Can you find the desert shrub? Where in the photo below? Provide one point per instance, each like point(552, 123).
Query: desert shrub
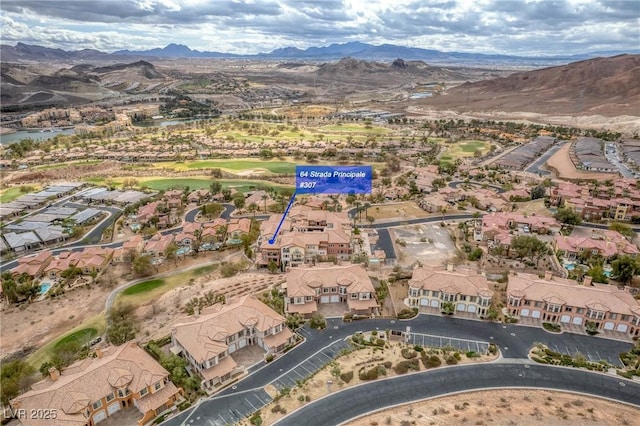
point(493, 349)
point(408, 353)
point(457, 356)
point(387, 364)
point(432, 361)
point(451, 360)
point(407, 313)
point(256, 419)
point(472, 354)
point(347, 376)
point(418, 348)
point(403, 366)
point(370, 374)
point(269, 358)
point(276, 408)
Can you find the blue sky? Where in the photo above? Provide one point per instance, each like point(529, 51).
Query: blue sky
point(252, 26)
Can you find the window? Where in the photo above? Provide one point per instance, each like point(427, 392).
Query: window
point(354, 295)
point(414, 292)
point(308, 298)
point(143, 392)
point(325, 290)
point(436, 294)
point(343, 290)
point(120, 393)
point(568, 308)
point(110, 397)
point(97, 405)
point(158, 386)
point(613, 315)
point(334, 289)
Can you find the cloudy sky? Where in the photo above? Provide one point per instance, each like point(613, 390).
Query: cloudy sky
point(250, 26)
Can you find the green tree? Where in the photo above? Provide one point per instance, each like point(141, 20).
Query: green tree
point(215, 187)
point(528, 246)
point(121, 324)
point(596, 272)
point(622, 228)
point(625, 268)
point(568, 216)
point(141, 266)
point(272, 266)
point(537, 192)
point(211, 210)
point(239, 202)
point(447, 308)
point(14, 377)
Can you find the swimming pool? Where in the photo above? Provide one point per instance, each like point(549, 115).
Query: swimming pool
point(44, 288)
point(182, 251)
point(569, 266)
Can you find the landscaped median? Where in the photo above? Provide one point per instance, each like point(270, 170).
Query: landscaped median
point(373, 356)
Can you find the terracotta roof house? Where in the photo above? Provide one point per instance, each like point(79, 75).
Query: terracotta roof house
point(563, 301)
point(608, 245)
point(156, 247)
point(237, 228)
point(209, 341)
point(33, 265)
point(93, 389)
point(429, 288)
point(307, 287)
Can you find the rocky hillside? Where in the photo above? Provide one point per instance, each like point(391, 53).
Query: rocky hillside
point(606, 86)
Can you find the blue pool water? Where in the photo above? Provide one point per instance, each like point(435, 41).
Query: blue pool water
point(44, 288)
point(569, 266)
point(182, 251)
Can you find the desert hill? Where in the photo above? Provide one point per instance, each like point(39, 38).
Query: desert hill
point(605, 86)
point(30, 84)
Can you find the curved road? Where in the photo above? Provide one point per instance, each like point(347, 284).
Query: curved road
point(340, 407)
point(234, 403)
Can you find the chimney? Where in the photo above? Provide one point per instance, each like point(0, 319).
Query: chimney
point(54, 373)
point(587, 280)
point(99, 353)
point(449, 267)
point(548, 275)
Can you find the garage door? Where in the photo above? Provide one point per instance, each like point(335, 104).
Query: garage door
point(565, 318)
point(99, 416)
point(435, 304)
point(609, 325)
point(335, 299)
point(461, 307)
point(325, 299)
point(535, 314)
point(524, 313)
point(577, 320)
point(471, 308)
point(242, 343)
point(623, 328)
point(113, 408)
point(424, 302)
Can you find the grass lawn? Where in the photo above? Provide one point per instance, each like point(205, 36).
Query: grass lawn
point(10, 194)
point(272, 166)
point(97, 323)
point(463, 149)
point(66, 164)
point(143, 287)
point(84, 335)
point(352, 128)
point(241, 185)
point(149, 290)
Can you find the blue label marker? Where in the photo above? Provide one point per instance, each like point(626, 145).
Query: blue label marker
point(333, 179)
point(328, 180)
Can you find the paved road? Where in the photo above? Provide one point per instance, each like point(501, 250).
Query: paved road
point(342, 406)
point(384, 243)
point(611, 155)
point(95, 234)
point(513, 340)
point(540, 161)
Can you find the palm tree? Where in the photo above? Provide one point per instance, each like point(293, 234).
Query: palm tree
point(265, 197)
point(253, 207)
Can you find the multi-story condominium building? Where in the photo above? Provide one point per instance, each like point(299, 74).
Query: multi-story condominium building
point(557, 300)
point(469, 292)
point(309, 286)
point(89, 391)
point(306, 236)
point(209, 341)
point(605, 243)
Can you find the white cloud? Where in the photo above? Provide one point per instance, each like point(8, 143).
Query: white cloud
point(251, 26)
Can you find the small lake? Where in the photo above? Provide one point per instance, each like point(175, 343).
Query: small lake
point(36, 136)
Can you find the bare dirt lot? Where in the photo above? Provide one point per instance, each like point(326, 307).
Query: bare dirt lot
point(561, 164)
point(406, 210)
point(157, 316)
point(429, 244)
point(507, 407)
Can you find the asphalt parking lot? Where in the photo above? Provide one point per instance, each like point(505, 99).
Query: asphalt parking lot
point(463, 345)
point(590, 353)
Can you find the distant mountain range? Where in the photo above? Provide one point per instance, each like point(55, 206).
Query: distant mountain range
point(24, 52)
